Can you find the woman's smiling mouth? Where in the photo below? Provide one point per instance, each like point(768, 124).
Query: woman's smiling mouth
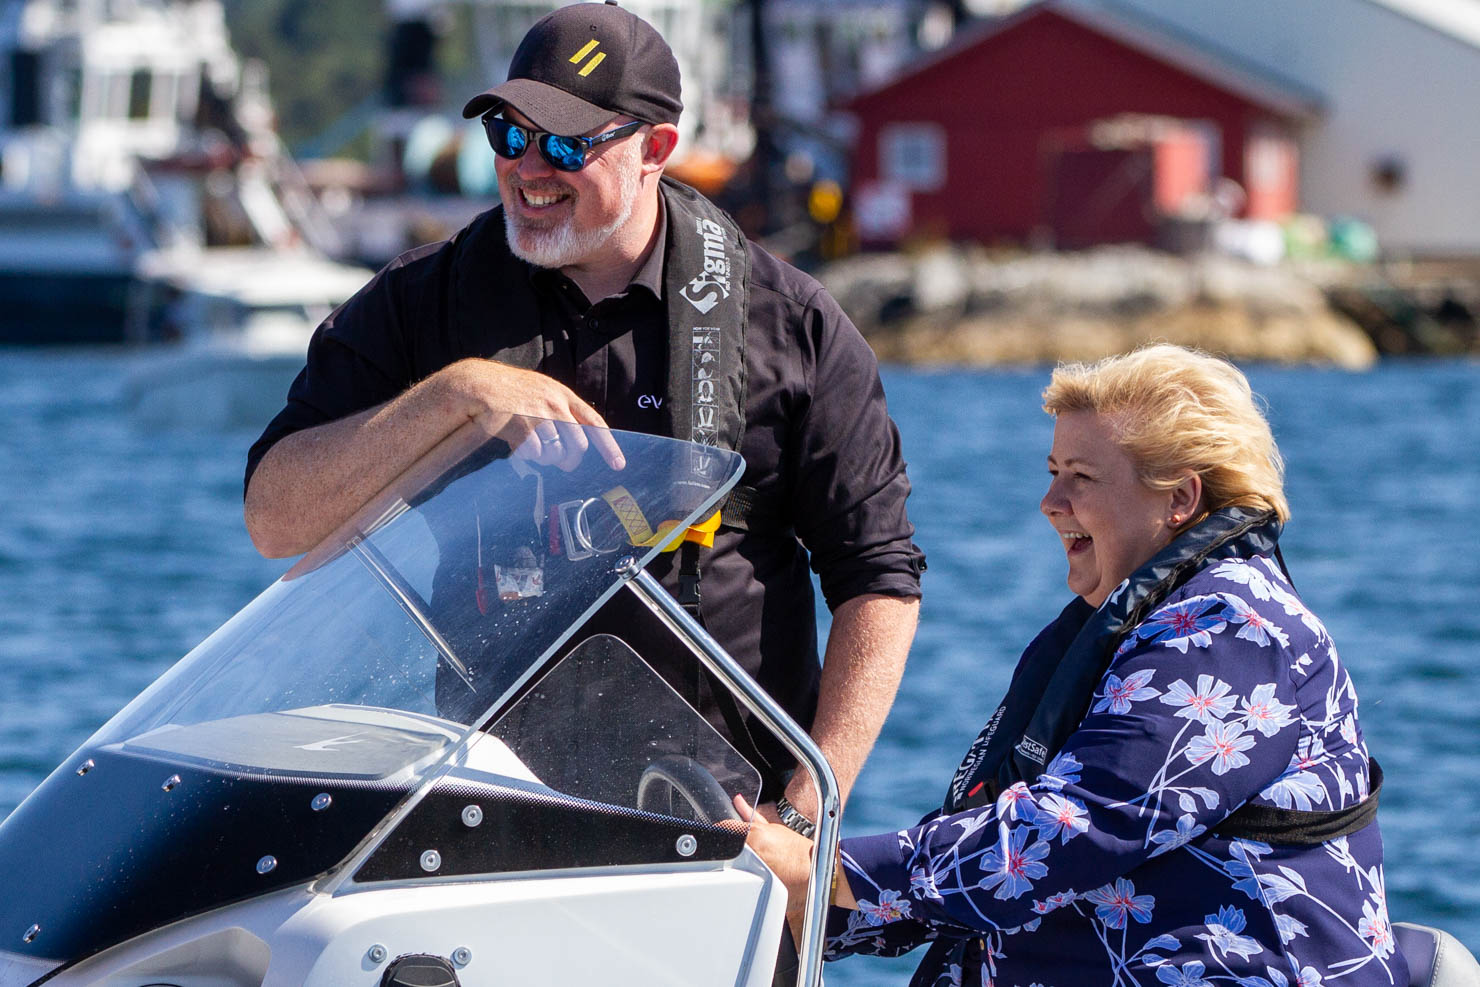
point(1076, 541)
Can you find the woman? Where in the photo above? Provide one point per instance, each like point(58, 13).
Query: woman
point(1176, 789)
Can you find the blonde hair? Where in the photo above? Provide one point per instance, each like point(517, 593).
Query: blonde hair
point(1177, 411)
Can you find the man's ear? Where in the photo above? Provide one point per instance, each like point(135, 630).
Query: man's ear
point(658, 145)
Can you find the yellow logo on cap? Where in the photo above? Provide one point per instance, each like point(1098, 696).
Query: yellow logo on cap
point(597, 60)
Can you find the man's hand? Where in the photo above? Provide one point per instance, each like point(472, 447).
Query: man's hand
point(789, 855)
point(495, 396)
point(312, 481)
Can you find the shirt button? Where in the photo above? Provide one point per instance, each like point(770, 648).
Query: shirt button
point(595, 324)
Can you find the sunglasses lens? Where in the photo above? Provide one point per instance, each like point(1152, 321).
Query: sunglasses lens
point(564, 153)
point(508, 141)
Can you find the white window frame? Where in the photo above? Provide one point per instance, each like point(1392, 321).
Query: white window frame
point(913, 155)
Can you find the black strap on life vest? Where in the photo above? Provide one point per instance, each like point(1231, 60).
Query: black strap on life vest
point(706, 281)
point(690, 597)
point(1303, 827)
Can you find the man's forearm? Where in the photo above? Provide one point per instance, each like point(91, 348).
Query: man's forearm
point(866, 651)
point(311, 481)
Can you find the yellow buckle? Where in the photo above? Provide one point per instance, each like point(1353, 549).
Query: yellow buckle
point(641, 534)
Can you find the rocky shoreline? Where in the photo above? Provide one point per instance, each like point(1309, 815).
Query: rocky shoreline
point(973, 307)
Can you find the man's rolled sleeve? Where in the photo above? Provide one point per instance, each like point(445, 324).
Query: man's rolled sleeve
point(851, 485)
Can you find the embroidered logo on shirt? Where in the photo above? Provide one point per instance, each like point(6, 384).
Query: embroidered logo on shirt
point(649, 401)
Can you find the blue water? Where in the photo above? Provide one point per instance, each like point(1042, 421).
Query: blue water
point(121, 546)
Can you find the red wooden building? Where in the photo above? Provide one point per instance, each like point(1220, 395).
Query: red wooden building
point(1071, 127)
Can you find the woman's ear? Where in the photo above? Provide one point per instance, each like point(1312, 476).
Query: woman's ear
point(1186, 500)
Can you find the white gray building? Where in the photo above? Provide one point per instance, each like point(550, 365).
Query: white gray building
point(1399, 138)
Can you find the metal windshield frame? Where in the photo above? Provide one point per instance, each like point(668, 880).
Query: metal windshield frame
point(749, 692)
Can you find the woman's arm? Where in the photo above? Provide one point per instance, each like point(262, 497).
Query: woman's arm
point(789, 855)
point(1195, 715)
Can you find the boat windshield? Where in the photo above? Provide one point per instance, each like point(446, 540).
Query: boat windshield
point(428, 658)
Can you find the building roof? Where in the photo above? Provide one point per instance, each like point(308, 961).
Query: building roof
point(1459, 19)
point(1157, 40)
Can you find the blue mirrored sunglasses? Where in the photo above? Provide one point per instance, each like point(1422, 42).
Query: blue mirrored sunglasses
point(509, 140)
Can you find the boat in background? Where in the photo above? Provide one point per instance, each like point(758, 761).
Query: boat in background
point(250, 315)
point(140, 173)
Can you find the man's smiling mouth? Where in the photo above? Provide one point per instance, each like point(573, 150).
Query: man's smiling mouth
point(541, 200)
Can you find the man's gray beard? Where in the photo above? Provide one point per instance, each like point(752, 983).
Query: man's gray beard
point(562, 245)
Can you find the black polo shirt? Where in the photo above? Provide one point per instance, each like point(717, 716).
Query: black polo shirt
point(818, 445)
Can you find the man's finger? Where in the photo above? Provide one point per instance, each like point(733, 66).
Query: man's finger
point(599, 434)
point(539, 449)
point(573, 445)
point(516, 430)
point(605, 444)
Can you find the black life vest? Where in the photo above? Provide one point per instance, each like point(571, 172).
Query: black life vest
point(1055, 682)
point(706, 288)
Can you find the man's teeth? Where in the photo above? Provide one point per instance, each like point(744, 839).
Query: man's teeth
point(535, 199)
point(1072, 536)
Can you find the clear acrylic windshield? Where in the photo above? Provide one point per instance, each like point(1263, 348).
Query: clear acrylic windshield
point(356, 691)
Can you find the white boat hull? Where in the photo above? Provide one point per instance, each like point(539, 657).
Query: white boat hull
point(693, 924)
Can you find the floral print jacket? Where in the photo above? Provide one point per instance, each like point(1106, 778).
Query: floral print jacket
point(1109, 868)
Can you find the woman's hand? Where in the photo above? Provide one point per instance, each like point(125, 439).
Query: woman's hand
point(787, 852)
point(789, 855)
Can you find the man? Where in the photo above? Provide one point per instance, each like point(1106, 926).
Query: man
point(581, 300)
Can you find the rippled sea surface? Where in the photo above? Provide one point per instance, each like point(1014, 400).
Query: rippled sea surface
point(121, 546)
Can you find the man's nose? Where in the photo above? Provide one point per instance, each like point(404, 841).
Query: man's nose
point(532, 164)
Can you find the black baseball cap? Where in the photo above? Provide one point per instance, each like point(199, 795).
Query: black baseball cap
point(583, 64)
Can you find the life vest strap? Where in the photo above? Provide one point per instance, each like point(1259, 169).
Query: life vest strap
point(1301, 827)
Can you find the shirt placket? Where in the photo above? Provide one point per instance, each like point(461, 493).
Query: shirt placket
point(592, 358)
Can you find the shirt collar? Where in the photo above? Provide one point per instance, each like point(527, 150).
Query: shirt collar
point(650, 274)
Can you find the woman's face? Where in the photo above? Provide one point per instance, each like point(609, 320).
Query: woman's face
point(1110, 521)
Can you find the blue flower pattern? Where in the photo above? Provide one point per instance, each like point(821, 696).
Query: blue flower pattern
point(1230, 692)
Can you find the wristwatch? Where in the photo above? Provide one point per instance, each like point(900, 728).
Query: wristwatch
point(793, 819)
